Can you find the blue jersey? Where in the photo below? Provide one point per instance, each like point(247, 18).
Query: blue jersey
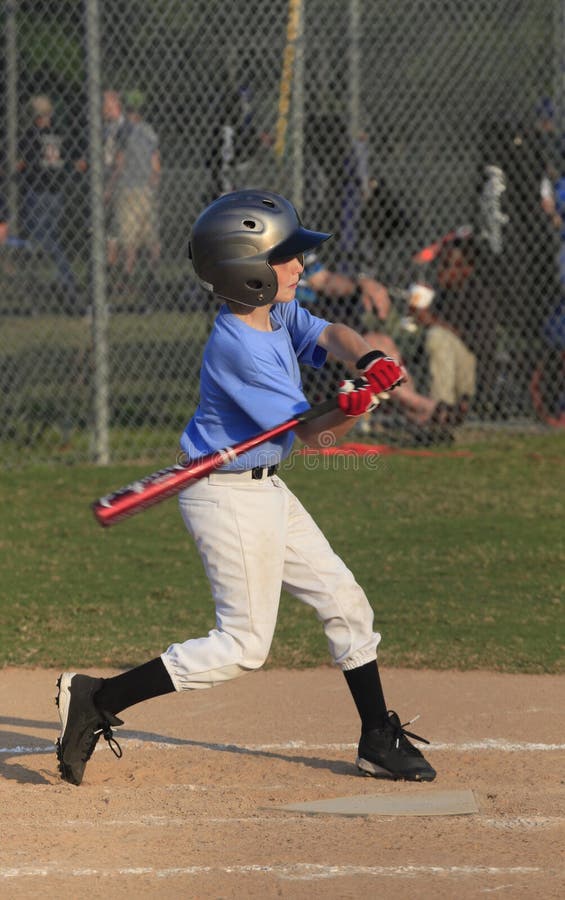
point(250, 382)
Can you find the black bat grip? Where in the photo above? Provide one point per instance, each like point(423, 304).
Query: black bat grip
point(319, 410)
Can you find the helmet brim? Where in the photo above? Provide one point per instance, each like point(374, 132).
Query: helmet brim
point(298, 242)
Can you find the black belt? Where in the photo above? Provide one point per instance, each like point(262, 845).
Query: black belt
point(258, 472)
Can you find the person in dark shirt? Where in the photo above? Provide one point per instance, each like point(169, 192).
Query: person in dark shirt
point(44, 166)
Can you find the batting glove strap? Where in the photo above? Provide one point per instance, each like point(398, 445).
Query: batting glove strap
point(369, 358)
point(355, 397)
point(382, 372)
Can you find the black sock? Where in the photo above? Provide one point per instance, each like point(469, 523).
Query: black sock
point(148, 680)
point(367, 692)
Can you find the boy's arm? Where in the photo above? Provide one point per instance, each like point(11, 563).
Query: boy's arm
point(381, 372)
point(325, 430)
point(343, 343)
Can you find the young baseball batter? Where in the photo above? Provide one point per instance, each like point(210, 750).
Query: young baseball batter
point(252, 533)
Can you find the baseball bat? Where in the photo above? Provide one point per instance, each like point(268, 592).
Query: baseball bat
point(134, 497)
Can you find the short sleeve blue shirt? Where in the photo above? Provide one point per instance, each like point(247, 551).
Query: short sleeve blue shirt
point(250, 382)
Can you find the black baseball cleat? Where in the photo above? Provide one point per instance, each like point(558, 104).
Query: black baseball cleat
point(82, 723)
point(387, 753)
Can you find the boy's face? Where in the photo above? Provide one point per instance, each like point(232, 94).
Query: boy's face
point(288, 272)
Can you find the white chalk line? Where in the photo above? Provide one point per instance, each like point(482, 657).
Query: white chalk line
point(504, 823)
point(164, 821)
point(19, 750)
point(499, 745)
point(522, 822)
point(294, 872)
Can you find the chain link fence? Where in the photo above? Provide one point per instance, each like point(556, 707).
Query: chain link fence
point(427, 136)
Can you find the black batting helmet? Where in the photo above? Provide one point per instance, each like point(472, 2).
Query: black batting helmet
point(235, 240)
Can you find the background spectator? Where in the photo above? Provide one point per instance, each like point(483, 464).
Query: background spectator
point(344, 186)
point(114, 119)
point(44, 164)
point(520, 241)
point(135, 180)
point(459, 269)
point(354, 302)
point(4, 224)
point(452, 366)
point(9, 242)
point(234, 139)
point(5, 263)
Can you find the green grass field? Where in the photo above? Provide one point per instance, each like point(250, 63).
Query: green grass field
point(462, 557)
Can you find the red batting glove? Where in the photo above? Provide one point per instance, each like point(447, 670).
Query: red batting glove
point(355, 397)
point(382, 372)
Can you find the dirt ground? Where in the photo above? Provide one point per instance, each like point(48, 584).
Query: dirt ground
point(191, 808)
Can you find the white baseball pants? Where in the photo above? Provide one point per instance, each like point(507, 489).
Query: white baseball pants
point(255, 538)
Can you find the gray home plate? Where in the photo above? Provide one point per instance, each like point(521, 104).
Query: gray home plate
point(426, 803)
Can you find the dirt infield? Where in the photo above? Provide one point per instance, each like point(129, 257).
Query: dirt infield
point(190, 809)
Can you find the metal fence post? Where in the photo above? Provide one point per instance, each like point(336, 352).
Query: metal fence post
point(11, 111)
point(101, 443)
point(298, 112)
point(354, 69)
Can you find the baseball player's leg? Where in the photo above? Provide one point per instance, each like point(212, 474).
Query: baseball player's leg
point(83, 722)
point(245, 581)
point(318, 577)
point(244, 565)
point(88, 707)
